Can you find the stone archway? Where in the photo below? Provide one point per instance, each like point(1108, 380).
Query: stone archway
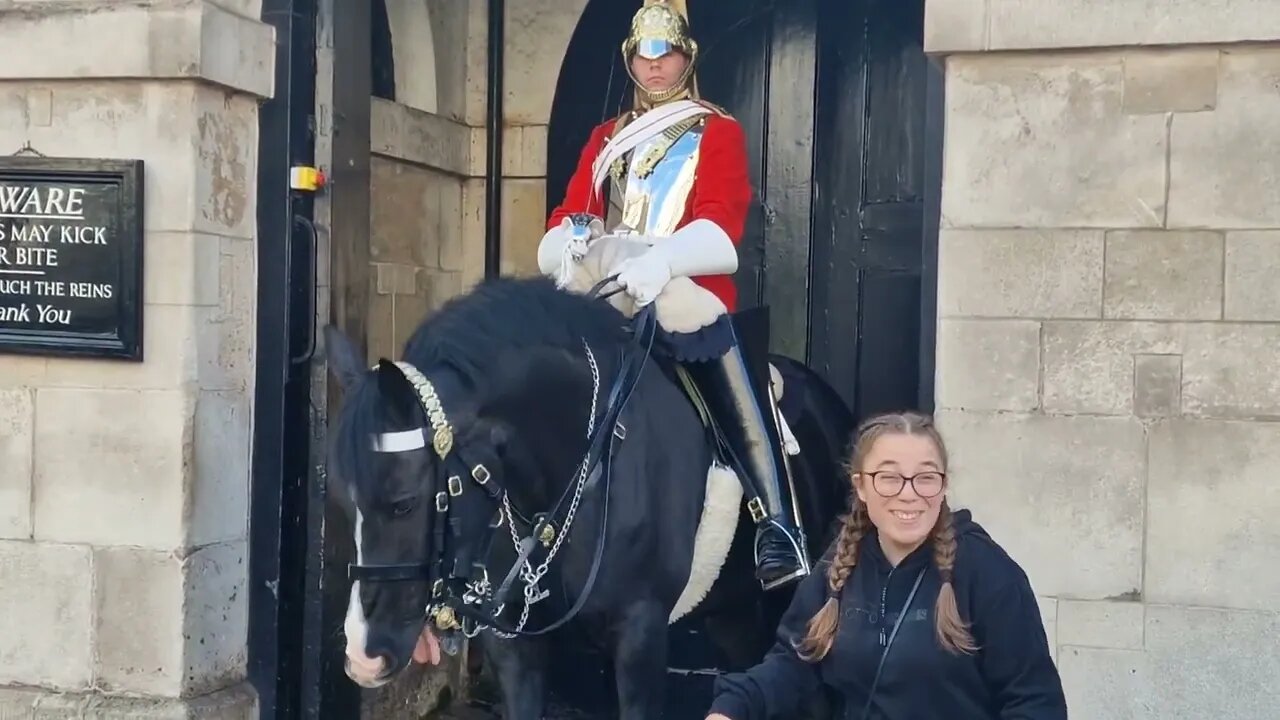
point(538, 37)
point(413, 54)
point(538, 33)
point(590, 88)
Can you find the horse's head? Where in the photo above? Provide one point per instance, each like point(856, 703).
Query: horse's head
point(418, 509)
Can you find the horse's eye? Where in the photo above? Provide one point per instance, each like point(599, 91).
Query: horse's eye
point(403, 507)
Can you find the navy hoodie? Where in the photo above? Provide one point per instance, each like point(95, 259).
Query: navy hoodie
point(1011, 675)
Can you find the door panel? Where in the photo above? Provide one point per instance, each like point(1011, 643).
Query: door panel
point(892, 211)
point(789, 175)
point(835, 308)
point(869, 188)
point(895, 102)
point(733, 39)
point(759, 63)
point(886, 377)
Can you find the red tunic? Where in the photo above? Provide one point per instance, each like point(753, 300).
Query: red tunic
point(721, 189)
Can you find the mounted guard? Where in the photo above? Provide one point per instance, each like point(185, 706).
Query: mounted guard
point(669, 178)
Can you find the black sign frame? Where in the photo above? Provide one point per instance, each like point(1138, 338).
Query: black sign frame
point(125, 343)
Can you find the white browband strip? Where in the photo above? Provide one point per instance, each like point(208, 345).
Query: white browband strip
point(402, 441)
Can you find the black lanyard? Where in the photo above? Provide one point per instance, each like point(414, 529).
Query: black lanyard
point(866, 709)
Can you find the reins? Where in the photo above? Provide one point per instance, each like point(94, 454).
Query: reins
point(595, 289)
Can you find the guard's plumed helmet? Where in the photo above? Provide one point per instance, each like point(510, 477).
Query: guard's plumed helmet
point(658, 28)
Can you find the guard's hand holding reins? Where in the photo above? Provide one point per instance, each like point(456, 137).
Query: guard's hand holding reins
point(644, 277)
point(595, 289)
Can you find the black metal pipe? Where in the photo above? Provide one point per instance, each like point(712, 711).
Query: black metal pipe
point(493, 164)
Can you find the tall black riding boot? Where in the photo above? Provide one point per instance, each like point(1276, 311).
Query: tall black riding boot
point(736, 390)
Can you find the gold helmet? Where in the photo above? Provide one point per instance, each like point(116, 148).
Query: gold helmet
point(659, 27)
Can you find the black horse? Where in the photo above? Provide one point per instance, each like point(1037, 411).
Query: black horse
point(491, 448)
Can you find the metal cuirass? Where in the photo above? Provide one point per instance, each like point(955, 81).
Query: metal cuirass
point(650, 198)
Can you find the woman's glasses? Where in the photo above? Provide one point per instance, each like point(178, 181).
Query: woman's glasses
point(889, 483)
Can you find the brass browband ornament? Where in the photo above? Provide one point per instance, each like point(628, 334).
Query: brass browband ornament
point(442, 439)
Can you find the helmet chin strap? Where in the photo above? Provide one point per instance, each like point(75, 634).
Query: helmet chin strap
point(683, 88)
point(650, 100)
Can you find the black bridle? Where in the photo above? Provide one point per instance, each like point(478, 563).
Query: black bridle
point(461, 588)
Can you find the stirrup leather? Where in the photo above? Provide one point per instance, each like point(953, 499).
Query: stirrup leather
point(738, 397)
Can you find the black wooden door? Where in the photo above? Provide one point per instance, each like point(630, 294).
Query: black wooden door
point(871, 299)
point(759, 63)
point(832, 97)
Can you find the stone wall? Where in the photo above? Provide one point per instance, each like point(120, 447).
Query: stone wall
point(427, 219)
point(123, 486)
point(537, 37)
point(428, 167)
point(1109, 333)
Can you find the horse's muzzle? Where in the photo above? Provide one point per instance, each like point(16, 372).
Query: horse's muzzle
point(369, 675)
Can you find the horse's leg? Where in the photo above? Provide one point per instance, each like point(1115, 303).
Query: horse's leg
point(519, 664)
point(640, 660)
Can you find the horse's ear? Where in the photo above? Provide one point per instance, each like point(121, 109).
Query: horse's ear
point(395, 389)
point(344, 359)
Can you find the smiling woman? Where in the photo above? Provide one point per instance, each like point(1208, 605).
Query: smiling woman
point(983, 652)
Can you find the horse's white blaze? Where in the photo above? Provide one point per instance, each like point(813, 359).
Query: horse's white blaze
point(361, 666)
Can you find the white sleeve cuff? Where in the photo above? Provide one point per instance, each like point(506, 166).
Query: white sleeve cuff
point(699, 248)
point(550, 248)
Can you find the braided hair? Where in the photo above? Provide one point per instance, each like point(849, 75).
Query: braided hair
point(950, 630)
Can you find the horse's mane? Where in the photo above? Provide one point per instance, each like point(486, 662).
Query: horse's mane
point(500, 321)
point(507, 316)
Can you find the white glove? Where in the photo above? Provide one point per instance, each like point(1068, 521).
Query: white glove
point(644, 277)
point(699, 248)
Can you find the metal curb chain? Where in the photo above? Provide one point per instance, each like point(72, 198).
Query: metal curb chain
point(528, 574)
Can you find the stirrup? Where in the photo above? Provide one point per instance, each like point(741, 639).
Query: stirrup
point(785, 580)
point(797, 554)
